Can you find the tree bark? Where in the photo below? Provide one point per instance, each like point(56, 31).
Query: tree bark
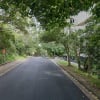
point(68, 53)
point(78, 58)
point(89, 64)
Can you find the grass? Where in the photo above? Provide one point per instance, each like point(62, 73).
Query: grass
point(20, 57)
point(91, 78)
point(62, 63)
point(10, 58)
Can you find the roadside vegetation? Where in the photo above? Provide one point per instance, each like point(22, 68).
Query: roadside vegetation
point(13, 43)
point(81, 46)
point(18, 37)
point(91, 82)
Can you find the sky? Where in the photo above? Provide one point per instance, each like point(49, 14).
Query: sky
point(81, 17)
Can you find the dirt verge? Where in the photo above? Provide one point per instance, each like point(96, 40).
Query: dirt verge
point(4, 68)
point(83, 80)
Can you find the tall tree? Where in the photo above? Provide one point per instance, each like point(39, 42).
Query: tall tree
point(48, 12)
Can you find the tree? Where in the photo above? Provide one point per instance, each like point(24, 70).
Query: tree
point(6, 37)
point(56, 34)
point(48, 12)
point(92, 43)
point(53, 49)
point(76, 45)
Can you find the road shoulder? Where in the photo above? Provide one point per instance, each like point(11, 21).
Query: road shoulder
point(77, 82)
point(5, 68)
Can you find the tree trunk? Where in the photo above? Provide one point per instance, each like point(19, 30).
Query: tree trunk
point(78, 58)
point(79, 64)
point(85, 65)
point(89, 64)
point(68, 54)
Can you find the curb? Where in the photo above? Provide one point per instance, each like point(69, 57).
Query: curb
point(10, 68)
point(5, 63)
point(89, 94)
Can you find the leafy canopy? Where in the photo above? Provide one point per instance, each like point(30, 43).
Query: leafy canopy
point(49, 12)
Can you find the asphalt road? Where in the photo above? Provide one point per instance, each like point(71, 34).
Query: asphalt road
point(38, 79)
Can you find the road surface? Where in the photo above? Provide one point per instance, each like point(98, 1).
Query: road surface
point(38, 79)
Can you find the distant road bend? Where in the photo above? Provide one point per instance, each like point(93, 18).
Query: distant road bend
point(38, 79)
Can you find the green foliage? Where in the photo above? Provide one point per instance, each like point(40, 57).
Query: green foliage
point(51, 35)
point(6, 37)
point(54, 49)
point(87, 42)
point(25, 44)
point(62, 63)
point(15, 42)
point(96, 9)
point(49, 12)
point(93, 43)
